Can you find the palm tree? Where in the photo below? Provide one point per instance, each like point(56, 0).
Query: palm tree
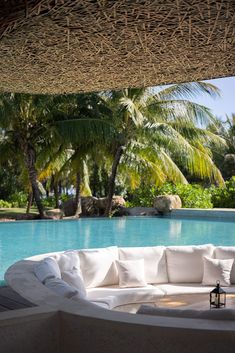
point(41, 126)
point(159, 131)
point(23, 118)
point(225, 156)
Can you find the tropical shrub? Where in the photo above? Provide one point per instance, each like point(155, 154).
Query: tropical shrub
point(192, 195)
point(224, 197)
point(50, 200)
point(5, 204)
point(18, 199)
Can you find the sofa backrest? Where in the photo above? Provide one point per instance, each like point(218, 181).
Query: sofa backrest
point(226, 252)
point(174, 264)
point(154, 261)
point(98, 266)
point(185, 263)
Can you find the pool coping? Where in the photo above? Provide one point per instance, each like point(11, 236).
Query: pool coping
point(224, 213)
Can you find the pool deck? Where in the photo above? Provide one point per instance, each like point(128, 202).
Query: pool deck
point(10, 300)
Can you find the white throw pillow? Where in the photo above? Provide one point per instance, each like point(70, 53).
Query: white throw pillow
point(225, 314)
point(217, 270)
point(227, 252)
point(47, 268)
point(60, 287)
point(98, 266)
point(74, 279)
point(154, 261)
point(185, 263)
point(68, 260)
point(131, 273)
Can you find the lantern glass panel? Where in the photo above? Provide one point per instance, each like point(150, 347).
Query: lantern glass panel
point(217, 297)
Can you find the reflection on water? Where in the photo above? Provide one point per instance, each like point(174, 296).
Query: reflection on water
point(175, 229)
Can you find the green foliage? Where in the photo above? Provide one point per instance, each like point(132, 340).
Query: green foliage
point(224, 197)
point(18, 199)
point(5, 204)
point(50, 200)
point(192, 196)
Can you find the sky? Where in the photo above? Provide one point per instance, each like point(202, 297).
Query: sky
point(224, 104)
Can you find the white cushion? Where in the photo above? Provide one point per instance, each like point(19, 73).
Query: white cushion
point(98, 266)
point(225, 314)
point(74, 279)
point(47, 268)
point(217, 270)
point(185, 263)
point(184, 288)
point(68, 260)
point(116, 296)
point(60, 287)
point(227, 252)
point(154, 261)
point(131, 273)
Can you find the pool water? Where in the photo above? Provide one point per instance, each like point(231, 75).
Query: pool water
point(23, 239)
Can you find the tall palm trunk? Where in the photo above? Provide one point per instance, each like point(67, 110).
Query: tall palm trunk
point(117, 158)
point(30, 159)
point(29, 202)
point(56, 191)
point(78, 196)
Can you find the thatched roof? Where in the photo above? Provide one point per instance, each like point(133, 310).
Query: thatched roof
point(90, 45)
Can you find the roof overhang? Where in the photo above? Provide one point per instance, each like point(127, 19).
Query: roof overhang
point(64, 46)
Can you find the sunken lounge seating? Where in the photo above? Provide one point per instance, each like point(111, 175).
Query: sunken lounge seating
point(112, 277)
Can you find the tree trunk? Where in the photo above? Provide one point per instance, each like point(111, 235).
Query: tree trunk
point(29, 202)
point(30, 163)
point(78, 196)
point(56, 191)
point(117, 158)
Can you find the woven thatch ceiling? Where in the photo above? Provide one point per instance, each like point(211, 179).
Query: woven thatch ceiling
point(85, 45)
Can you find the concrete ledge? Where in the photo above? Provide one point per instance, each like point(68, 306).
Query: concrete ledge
point(85, 329)
point(226, 213)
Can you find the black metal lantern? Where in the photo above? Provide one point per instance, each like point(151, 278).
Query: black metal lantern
point(217, 297)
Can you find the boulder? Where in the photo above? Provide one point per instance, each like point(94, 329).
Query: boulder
point(137, 211)
point(92, 206)
point(69, 207)
point(117, 202)
point(89, 206)
point(166, 203)
point(56, 213)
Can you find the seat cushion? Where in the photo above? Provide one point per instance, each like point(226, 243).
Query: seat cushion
point(185, 263)
point(98, 266)
point(183, 288)
point(227, 252)
point(154, 261)
point(115, 296)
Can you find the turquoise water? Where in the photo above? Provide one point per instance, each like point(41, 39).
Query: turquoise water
point(23, 239)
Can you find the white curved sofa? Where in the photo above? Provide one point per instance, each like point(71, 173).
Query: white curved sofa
point(168, 271)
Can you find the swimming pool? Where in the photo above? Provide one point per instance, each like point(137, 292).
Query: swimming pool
point(23, 239)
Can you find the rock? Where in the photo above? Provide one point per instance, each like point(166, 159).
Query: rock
point(56, 213)
point(166, 203)
point(92, 206)
point(7, 220)
point(69, 207)
point(89, 206)
point(117, 201)
point(137, 211)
